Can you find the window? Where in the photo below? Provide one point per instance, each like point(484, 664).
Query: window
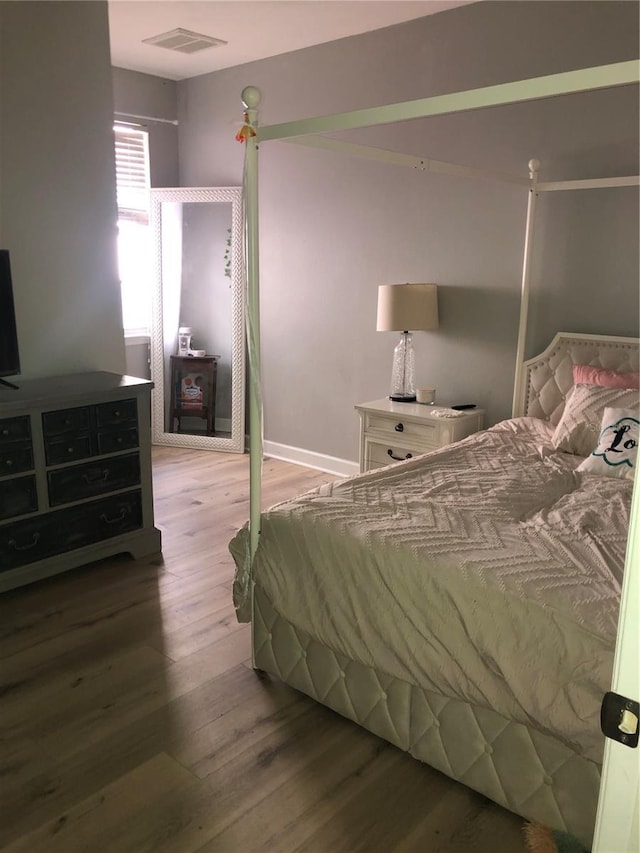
point(134, 234)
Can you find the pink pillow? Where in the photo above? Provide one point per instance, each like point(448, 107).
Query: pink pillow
point(586, 374)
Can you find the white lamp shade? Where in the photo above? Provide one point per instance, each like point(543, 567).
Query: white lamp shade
point(404, 307)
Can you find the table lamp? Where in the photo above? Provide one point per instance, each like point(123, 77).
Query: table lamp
point(402, 307)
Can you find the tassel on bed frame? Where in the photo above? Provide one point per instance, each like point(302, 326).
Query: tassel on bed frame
point(246, 131)
point(541, 839)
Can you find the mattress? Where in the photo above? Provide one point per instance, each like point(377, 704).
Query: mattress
point(487, 572)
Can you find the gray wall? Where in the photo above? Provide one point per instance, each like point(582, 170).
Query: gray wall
point(57, 173)
point(155, 97)
point(334, 227)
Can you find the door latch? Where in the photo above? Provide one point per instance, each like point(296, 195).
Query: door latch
point(619, 719)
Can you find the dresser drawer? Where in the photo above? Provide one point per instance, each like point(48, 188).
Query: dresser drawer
point(18, 496)
point(66, 421)
point(395, 427)
point(41, 537)
point(15, 458)
point(117, 439)
point(116, 413)
point(14, 429)
point(28, 541)
point(77, 482)
point(114, 515)
point(67, 448)
point(67, 529)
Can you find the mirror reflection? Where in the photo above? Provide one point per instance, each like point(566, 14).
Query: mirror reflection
point(197, 360)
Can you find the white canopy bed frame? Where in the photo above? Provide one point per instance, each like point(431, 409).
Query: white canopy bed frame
point(306, 132)
point(558, 786)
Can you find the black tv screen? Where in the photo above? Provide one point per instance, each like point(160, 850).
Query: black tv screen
point(9, 355)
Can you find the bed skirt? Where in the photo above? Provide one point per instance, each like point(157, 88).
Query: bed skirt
point(521, 769)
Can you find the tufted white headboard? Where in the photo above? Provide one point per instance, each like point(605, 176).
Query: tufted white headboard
point(547, 378)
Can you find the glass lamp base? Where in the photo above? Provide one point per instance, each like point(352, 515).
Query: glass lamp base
point(403, 386)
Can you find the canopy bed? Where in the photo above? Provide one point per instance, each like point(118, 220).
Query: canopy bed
point(425, 600)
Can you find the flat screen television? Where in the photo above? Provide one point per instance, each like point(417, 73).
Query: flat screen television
point(9, 354)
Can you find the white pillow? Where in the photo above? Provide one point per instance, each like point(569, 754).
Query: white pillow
point(579, 426)
point(617, 450)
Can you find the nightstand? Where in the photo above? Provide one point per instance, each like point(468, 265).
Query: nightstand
point(193, 391)
point(392, 432)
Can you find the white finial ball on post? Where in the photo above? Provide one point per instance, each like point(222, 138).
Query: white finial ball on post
point(250, 97)
point(534, 167)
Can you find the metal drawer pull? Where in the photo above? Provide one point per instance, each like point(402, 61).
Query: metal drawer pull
point(121, 517)
point(399, 458)
point(8, 463)
point(99, 476)
point(13, 544)
point(399, 427)
point(5, 431)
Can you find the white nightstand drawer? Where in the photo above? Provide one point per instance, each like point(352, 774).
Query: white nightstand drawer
point(378, 454)
point(394, 427)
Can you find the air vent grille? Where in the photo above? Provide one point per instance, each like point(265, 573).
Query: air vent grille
point(184, 41)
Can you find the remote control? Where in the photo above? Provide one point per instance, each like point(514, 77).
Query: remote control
point(464, 406)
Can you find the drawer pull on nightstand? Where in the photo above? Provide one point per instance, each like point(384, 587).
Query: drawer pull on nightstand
point(399, 427)
point(399, 458)
point(28, 546)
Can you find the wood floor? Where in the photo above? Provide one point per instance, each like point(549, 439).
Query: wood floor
point(131, 720)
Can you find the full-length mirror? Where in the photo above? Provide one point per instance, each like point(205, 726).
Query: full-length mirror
point(197, 339)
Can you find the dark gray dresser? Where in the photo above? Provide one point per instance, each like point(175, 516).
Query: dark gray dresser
point(75, 474)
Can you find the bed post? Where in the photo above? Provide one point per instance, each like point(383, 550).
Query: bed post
point(251, 99)
point(534, 166)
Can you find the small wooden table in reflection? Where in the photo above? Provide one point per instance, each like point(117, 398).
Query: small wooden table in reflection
point(193, 391)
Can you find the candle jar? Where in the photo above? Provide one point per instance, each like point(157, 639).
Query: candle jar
point(426, 395)
point(184, 340)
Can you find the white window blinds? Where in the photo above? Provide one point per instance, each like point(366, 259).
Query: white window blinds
point(132, 173)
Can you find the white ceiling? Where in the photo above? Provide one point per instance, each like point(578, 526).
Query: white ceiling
point(254, 29)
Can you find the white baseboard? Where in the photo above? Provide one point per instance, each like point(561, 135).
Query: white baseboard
point(311, 459)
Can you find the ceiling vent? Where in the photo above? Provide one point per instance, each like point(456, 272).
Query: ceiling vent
point(184, 41)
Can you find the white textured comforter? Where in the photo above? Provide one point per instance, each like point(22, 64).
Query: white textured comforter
point(488, 570)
